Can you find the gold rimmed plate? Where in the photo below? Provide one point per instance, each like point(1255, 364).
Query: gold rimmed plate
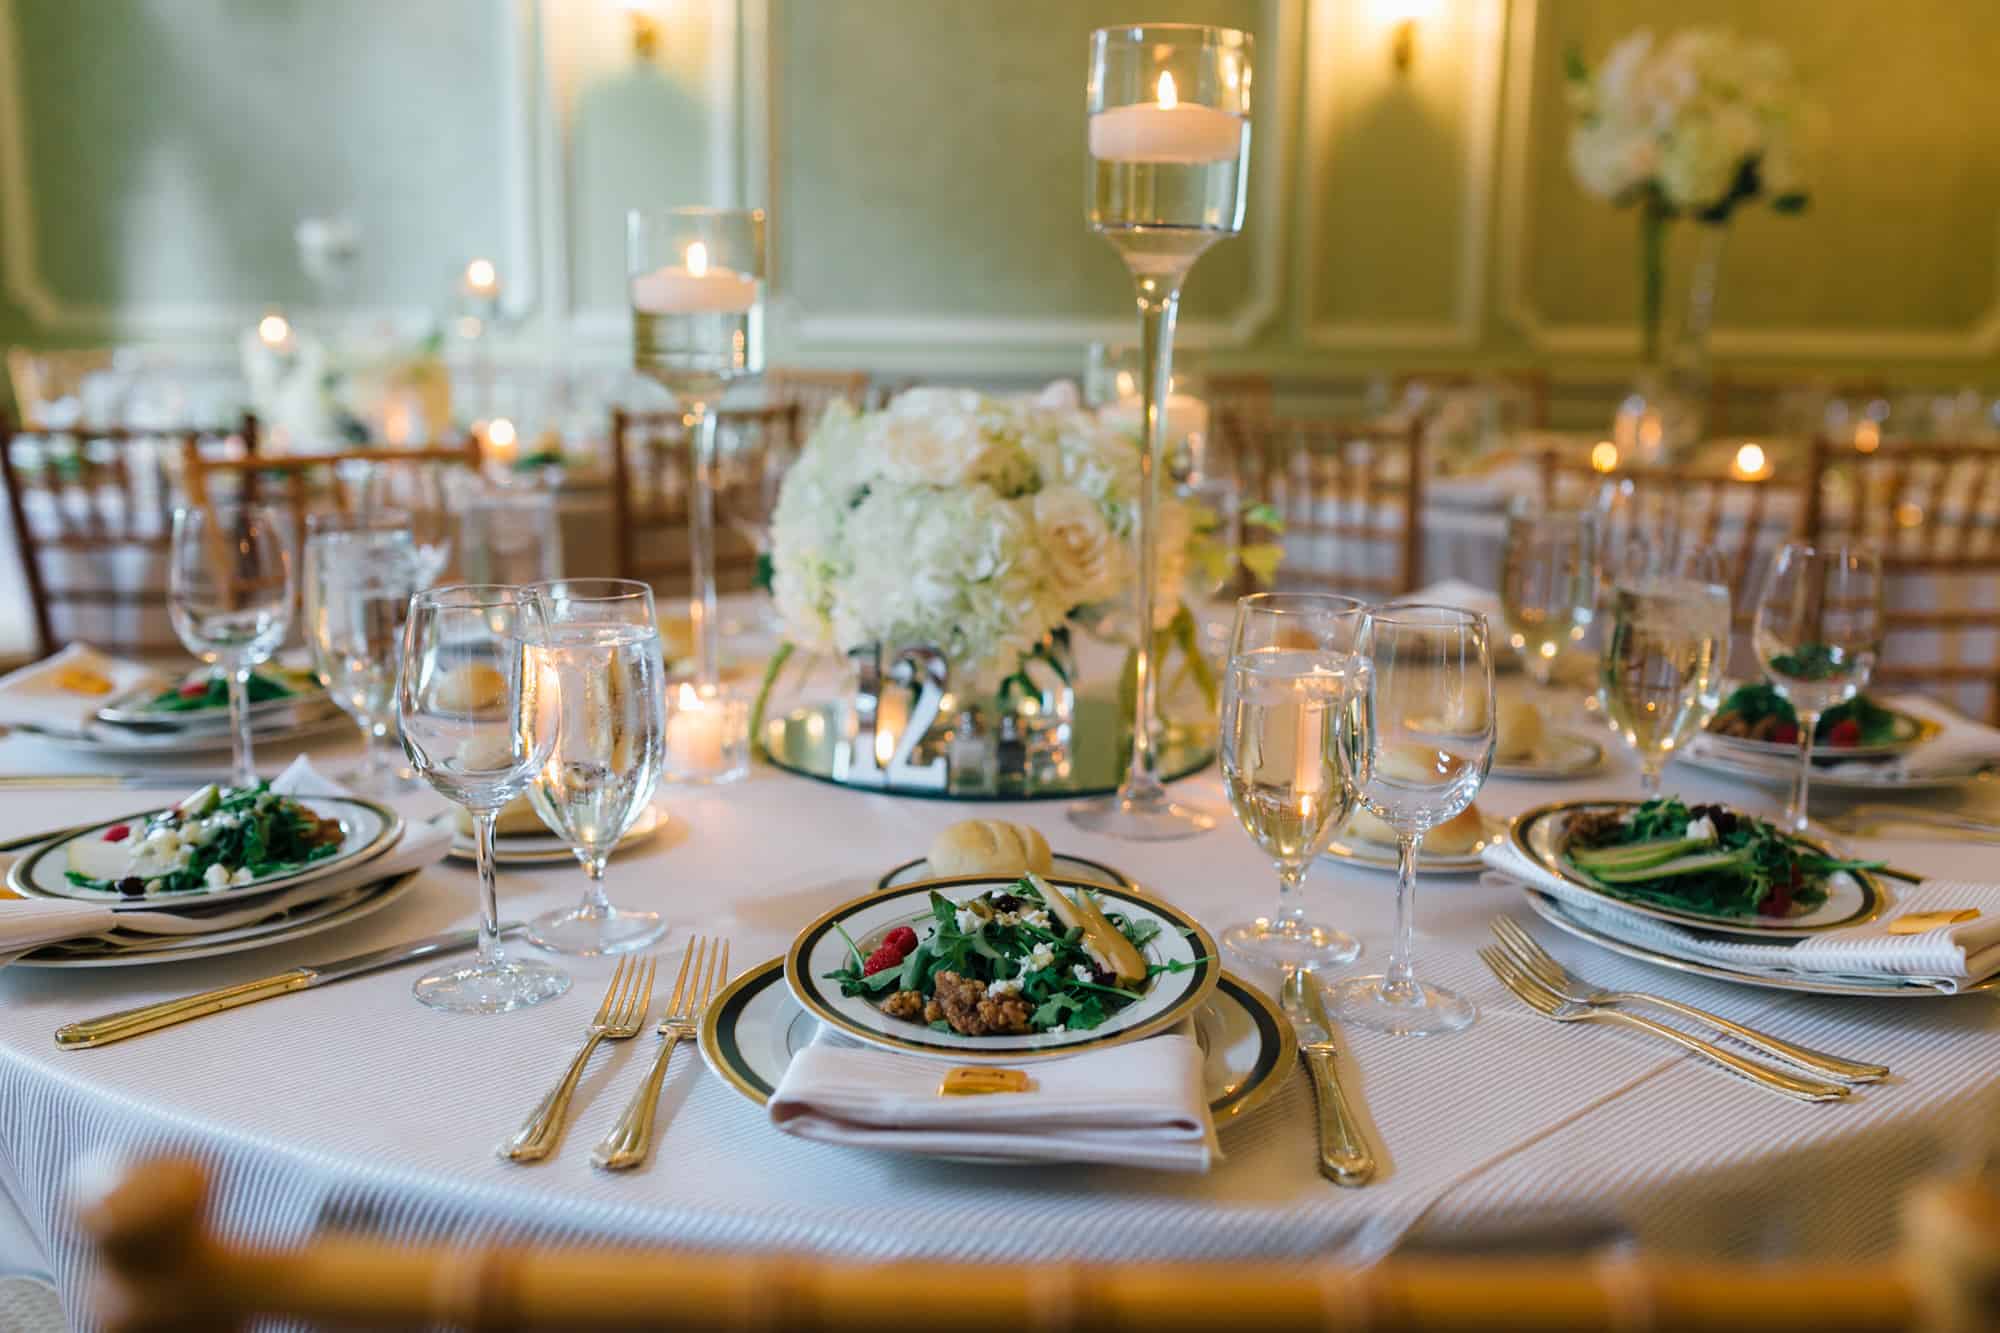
point(751, 1031)
point(1168, 997)
point(1542, 835)
point(1910, 732)
point(1561, 754)
point(1071, 867)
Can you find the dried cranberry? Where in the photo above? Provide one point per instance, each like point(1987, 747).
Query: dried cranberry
point(132, 886)
point(1006, 902)
point(194, 689)
point(1844, 732)
point(118, 833)
point(1786, 733)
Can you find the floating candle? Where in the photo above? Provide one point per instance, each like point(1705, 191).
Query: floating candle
point(1166, 131)
point(694, 287)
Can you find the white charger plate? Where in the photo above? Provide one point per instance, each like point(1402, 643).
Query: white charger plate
point(751, 1031)
point(1170, 996)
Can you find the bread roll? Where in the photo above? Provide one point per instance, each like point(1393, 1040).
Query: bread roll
point(1519, 735)
point(989, 847)
point(1455, 837)
point(477, 688)
point(517, 819)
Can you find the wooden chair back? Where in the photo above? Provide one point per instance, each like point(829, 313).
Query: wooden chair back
point(41, 379)
point(1351, 496)
point(166, 1269)
point(652, 478)
point(1933, 512)
point(816, 390)
point(93, 519)
point(303, 483)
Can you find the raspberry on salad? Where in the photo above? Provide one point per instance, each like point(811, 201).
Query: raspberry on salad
point(1844, 732)
point(903, 938)
point(884, 958)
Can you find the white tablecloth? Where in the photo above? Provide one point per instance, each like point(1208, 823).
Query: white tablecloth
point(354, 1106)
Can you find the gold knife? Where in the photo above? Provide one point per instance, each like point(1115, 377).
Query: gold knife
point(152, 1017)
point(1344, 1155)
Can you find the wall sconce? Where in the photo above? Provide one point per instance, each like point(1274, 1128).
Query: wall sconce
point(1401, 18)
point(645, 27)
point(1403, 45)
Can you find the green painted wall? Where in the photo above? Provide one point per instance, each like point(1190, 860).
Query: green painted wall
point(923, 163)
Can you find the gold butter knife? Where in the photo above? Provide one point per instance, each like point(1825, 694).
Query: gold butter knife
point(1344, 1155)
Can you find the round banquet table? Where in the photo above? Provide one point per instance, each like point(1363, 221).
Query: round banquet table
point(353, 1106)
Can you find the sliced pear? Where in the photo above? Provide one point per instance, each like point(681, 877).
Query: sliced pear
point(95, 858)
point(1101, 940)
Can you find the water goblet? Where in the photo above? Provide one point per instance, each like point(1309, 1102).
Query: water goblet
point(1291, 659)
point(229, 595)
point(359, 579)
point(478, 722)
point(1817, 634)
point(1548, 581)
point(598, 641)
point(1666, 647)
point(1419, 742)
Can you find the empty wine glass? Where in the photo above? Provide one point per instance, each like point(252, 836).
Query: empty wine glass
point(358, 583)
point(1420, 744)
point(1817, 634)
point(1548, 581)
point(1290, 661)
point(478, 723)
point(598, 641)
point(1666, 647)
point(229, 595)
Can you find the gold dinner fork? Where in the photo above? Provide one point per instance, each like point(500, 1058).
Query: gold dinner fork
point(1541, 964)
point(632, 1137)
point(1553, 1006)
point(621, 1016)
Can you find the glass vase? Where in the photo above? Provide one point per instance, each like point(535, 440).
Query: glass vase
point(1664, 417)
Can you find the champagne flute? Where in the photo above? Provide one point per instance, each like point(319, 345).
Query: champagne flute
point(229, 595)
point(1419, 745)
point(478, 722)
point(1666, 650)
point(1169, 141)
point(1290, 660)
point(1817, 634)
point(598, 641)
point(359, 579)
point(1548, 581)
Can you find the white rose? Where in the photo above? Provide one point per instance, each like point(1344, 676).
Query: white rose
point(936, 451)
point(1077, 544)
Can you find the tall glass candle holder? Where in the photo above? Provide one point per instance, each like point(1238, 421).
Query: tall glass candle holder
point(1169, 138)
point(697, 293)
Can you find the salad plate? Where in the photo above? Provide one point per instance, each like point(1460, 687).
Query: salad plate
point(1375, 856)
point(1756, 720)
point(751, 1031)
point(1560, 754)
point(1559, 916)
point(531, 849)
point(1071, 867)
point(990, 969)
point(111, 742)
point(1712, 754)
point(172, 851)
point(1712, 867)
point(201, 701)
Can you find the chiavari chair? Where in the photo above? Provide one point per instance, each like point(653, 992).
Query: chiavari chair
point(41, 379)
point(1933, 512)
point(92, 511)
point(1350, 495)
point(306, 482)
point(1527, 386)
point(164, 1268)
point(652, 478)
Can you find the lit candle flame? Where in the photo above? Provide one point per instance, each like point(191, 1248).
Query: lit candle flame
point(501, 433)
point(481, 276)
point(697, 260)
point(1750, 461)
point(1604, 456)
point(690, 698)
point(273, 330)
point(1168, 97)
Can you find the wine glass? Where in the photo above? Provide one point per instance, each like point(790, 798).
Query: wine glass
point(1419, 745)
point(598, 642)
point(1666, 647)
point(1817, 634)
point(478, 722)
point(1291, 656)
point(229, 595)
point(358, 583)
point(1548, 581)
point(1169, 139)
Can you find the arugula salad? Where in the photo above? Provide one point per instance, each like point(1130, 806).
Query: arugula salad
point(1707, 859)
point(1760, 713)
point(217, 838)
point(212, 691)
point(1027, 959)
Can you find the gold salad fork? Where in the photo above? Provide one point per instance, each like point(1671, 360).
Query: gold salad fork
point(704, 968)
point(1552, 1006)
point(621, 1016)
point(1542, 966)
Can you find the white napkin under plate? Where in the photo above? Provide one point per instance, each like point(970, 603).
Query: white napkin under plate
point(1141, 1104)
point(1947, 958)
point(32, 696)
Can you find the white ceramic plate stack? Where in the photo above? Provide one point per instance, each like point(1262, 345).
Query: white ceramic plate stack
point(125, 727)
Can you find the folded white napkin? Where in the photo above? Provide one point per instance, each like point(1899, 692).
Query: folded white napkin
point(1141, 1104)
point(31, 922)
point(32, 694)
point(1947, 958)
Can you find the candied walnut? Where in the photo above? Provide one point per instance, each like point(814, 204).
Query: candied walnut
point(1593, 829)
point(1006, 1016)
point(965, 1005)
point(905, 1004)
point(933, 1012)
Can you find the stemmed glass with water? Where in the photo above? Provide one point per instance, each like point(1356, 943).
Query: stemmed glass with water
point(358, 583)
point(479, 720)
point(1419, 742)
point(1666, 648)
point(229, 595)
point(1817, 634)
point(1291, 663)
point(598, 642)
point(1548, 581)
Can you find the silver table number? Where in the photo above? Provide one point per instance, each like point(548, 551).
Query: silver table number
point(857, 760)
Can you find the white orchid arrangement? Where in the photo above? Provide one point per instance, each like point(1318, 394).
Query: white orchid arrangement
point(980, 525)
point(1694, 126)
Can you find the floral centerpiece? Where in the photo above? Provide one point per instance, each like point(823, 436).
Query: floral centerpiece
point(1692, 127)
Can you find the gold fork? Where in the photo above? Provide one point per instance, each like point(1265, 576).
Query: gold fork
point(632, 1137)
point(1553, 1006)
point(1540, 964)
point(621, 1016)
